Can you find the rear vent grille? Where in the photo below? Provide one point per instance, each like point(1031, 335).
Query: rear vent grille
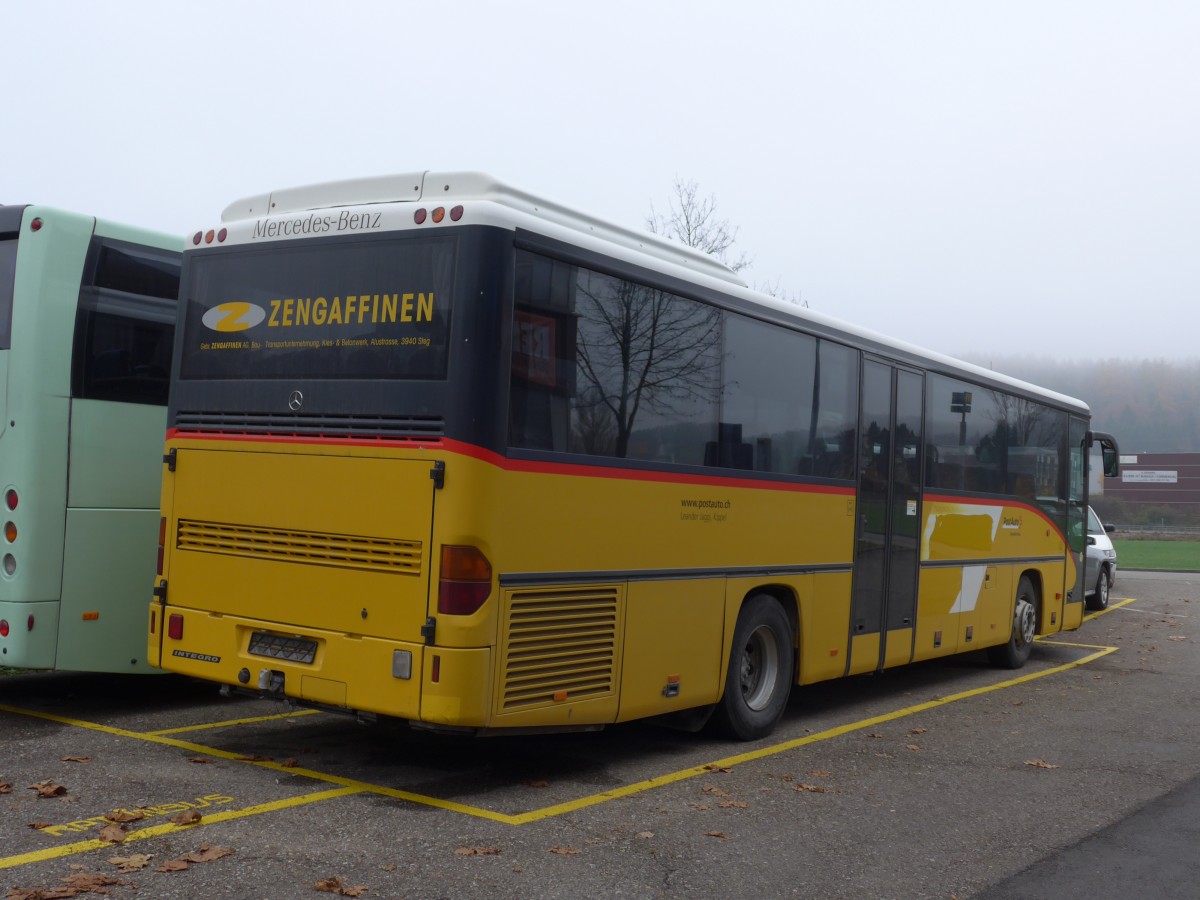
point(310, 547)
point(412, 428)
point(561, 646)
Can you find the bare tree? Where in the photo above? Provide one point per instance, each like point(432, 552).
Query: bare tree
point(693, 221)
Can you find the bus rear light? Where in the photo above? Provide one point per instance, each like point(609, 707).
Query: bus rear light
point(175, 627)
point(3, 627)
point(154, 621)
point(35, 225)
point(435, 668)
point(11, 499)
point(456, 213)
point(10, 532)
point(465, 581)
point(419, 216)
point(439, 214)
point(29, 623)
point(221, 235)
point(10, 564)
point(209, 235)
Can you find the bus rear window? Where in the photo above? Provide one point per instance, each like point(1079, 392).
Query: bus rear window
point(339, 310)
point(8, 272)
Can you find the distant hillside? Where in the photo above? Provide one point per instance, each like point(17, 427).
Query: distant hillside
point(1150, 406)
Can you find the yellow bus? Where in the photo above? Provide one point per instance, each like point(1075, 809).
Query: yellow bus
point(445, 451)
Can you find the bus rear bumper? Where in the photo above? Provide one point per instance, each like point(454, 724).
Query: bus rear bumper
point(328, 669)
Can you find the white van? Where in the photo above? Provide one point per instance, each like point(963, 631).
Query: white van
point(1100, 571)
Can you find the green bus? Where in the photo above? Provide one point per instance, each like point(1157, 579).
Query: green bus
point(87, 312)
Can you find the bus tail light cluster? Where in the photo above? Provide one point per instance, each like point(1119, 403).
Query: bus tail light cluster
point(11, 501)
point(465, 581)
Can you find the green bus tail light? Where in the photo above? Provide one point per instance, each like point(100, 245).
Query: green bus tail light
point(465, 581)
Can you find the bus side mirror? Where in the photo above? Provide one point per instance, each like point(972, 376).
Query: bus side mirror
point(1110, 455)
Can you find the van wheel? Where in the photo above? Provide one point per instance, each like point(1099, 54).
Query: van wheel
point(759, 679)
point(1098, 599)
point(1020, 643)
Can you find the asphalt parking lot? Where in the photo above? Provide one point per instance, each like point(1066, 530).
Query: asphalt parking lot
point(941, 780)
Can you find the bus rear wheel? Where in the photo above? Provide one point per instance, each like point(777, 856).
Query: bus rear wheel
point(1020, 643)
point(759, 679)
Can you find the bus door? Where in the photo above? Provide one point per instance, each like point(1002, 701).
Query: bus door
point(887, 539)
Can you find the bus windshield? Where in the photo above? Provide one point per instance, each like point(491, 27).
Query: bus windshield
point(338, 310)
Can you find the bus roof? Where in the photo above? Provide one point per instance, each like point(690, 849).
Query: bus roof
point(463, 186)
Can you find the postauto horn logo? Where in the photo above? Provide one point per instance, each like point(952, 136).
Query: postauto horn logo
point(235, 315)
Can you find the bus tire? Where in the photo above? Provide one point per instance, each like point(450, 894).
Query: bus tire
point(759, 679)
point(1020, 642)
point(1098, 599)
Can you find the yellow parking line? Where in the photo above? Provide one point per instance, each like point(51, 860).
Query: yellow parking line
point(231, 722)
point(1108, 609)
point(156, 830)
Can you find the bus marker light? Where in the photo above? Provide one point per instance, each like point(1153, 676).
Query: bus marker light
point(435, 669)
point(175, 627)
point(439, 214)
point(153, 621)
point(3, 627)
point(29, 623)
point(10, 532)
point(209, 235)
point(456, 213)
point(10, 564)
point(35, 225)
point(221, 235)
point(197, 238)
point(10, 498)
point(402, 664)
point(560, 696)
point(91, 616)
point(419, 216)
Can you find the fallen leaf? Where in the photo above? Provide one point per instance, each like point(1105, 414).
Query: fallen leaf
point(1040, 764)
point(733, 804)
point(811, 788)
point(875, 735)
point(565, 851)
point(134, 863)
point(913, 747)
point(477, 851)
point(39, 825)
point(79, 759)
point(918, 731)
point(173, 865)
point(201, 760)
point(1177, 637)
point(113, 833)
point(191, 817)
point(717, 834)
point(339, 887)
point(93, 882)
point(254, 757)
point(124, 815)
point(715, 791)
point(48, 789)
point(1018, 703)
point(646, 835)
point(713, 767)
point(290, 763)
point(5, 787)
point(207, 853)
point(700, 807)
point(540, 783)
